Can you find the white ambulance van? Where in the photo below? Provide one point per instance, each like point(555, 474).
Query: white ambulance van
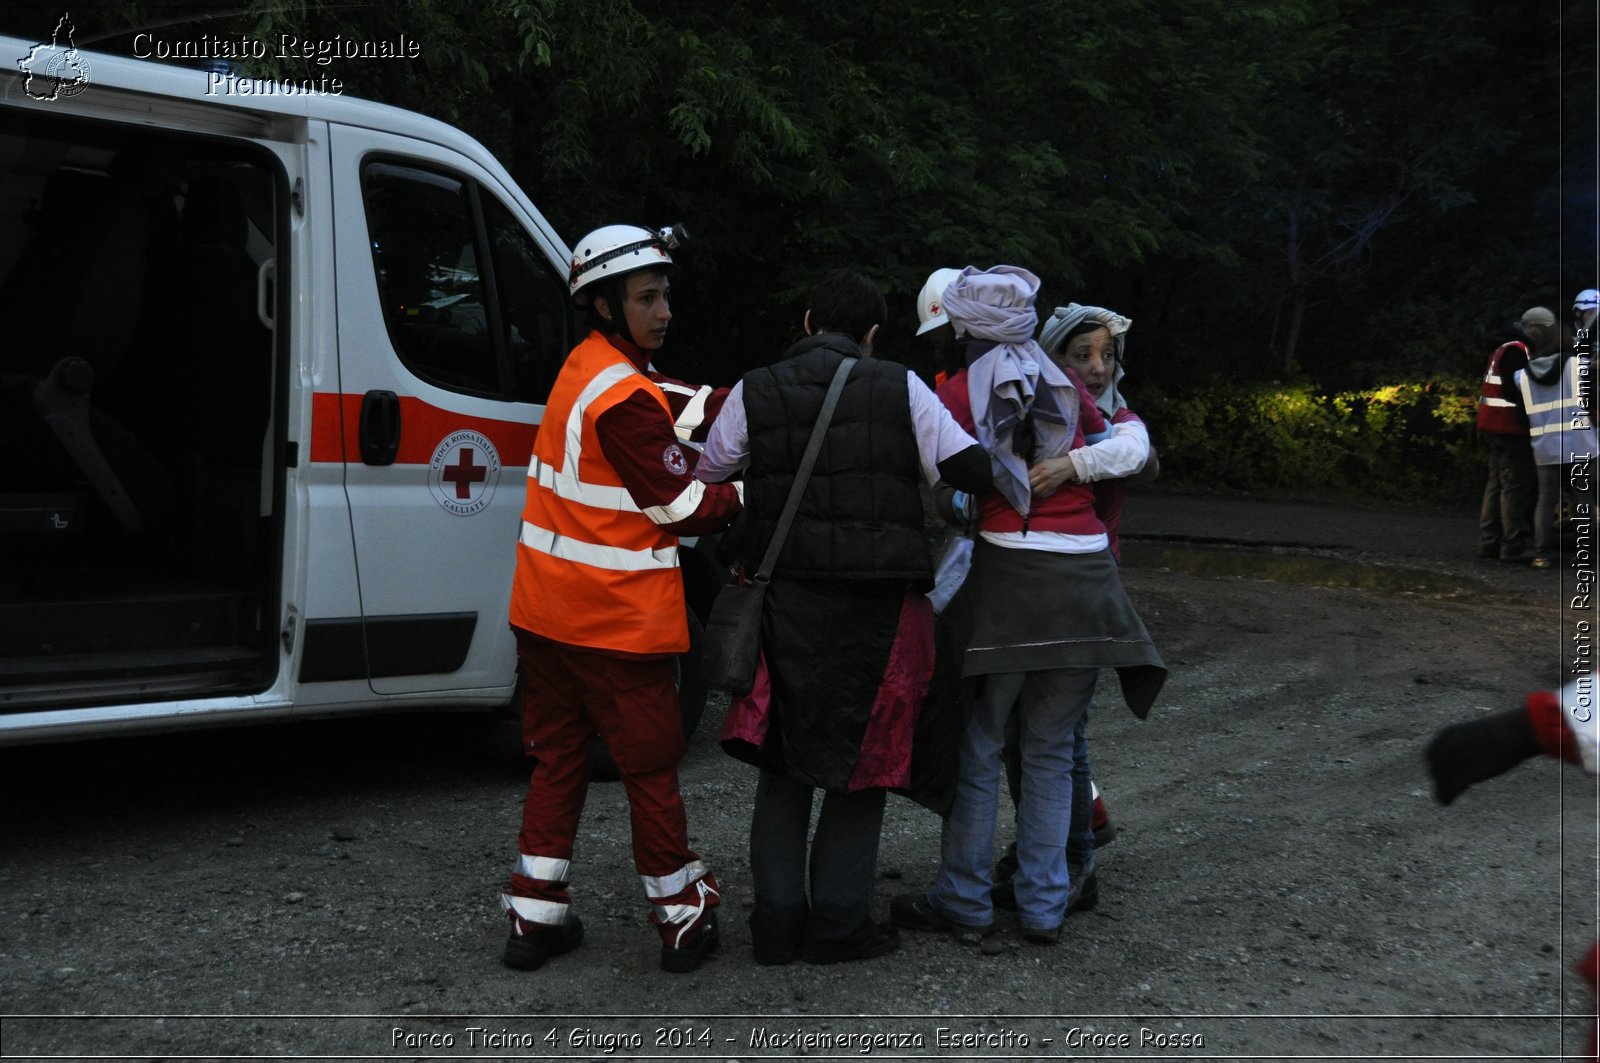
point(270, 370)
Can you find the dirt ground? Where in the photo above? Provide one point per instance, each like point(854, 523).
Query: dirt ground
point(1284, 884)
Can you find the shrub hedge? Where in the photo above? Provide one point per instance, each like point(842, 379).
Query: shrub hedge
point(1402, 442)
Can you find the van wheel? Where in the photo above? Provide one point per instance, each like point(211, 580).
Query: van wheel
point(691, 684)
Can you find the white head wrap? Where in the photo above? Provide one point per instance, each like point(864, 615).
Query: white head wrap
point(1065, 319)
point(1013, 381)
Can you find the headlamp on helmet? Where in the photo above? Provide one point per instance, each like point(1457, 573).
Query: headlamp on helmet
point(617, 250)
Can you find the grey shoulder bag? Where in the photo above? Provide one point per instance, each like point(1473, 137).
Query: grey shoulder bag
point(733, 630)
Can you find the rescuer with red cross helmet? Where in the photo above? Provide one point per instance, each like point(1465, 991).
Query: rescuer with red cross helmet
point(597, 603)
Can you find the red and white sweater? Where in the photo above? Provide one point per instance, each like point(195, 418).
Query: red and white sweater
point(1064, 522)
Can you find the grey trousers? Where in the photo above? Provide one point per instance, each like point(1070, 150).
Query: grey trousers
point(1505, 519)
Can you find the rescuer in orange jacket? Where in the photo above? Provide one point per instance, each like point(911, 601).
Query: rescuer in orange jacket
point(597, 603)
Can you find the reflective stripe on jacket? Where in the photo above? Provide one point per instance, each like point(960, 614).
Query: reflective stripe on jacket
point(592, 568)
point(1561, 429)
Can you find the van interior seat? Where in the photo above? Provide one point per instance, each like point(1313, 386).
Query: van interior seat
point(80, 283)
point(74, 296)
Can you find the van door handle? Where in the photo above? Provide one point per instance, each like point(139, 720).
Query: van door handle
point(265, 276)
point(380, 427)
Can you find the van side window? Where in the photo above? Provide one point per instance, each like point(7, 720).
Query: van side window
point(533, 303)
point(494, 328)
point(425, 255)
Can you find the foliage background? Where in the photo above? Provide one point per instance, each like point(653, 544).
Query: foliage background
point(1320, 214)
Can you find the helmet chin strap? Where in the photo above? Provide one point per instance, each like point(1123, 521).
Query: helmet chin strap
point(622, 329)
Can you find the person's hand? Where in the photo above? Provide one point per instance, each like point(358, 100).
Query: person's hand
point(1047, 476)
point(1152, 468)
point(1467, 753)
point(956, 507)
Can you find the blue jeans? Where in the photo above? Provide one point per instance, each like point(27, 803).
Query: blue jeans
point(1547, 510)
point(1049, 705)
point(1080, 832)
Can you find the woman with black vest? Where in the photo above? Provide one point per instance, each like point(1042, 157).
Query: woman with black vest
point(847, 633)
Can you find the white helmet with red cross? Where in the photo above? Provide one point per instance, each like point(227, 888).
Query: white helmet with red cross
point(617, 250)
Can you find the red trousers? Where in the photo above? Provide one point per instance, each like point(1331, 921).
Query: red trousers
point(570, 695)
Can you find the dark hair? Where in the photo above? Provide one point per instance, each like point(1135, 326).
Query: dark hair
point(940, 347)
point(613, 290)
point(849, 302)
point(609, 290)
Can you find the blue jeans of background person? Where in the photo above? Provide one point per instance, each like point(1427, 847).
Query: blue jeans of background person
point(1546, 511)
point(1049, 705)
point(1080, 832)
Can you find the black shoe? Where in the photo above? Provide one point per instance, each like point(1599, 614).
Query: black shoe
point(768, 954)
point(879, 940)
point(1005, 868)
point(775, 943)
point(1037, 936)
point(527, 951)
point(915, 912)
point(971, 935)
point(1004, 896)
point(1084, 895)
point(686, 956)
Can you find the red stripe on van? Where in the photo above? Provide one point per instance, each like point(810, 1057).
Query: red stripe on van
point(336, 428)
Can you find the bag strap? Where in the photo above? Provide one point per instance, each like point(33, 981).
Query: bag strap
point(807, 460)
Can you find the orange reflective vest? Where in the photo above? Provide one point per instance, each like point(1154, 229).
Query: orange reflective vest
point(592, 569)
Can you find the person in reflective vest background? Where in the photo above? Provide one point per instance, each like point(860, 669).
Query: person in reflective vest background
point(597, 604)
point(1556, 392)
point(1505, 516)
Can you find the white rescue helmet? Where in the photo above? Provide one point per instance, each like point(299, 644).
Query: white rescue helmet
point(930, 301)
point(1588, 299)
point(616, 250)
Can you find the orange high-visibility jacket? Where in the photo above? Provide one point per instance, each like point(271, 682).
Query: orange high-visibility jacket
point(592, 569)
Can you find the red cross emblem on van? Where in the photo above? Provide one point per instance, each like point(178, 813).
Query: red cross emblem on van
point(464, 472)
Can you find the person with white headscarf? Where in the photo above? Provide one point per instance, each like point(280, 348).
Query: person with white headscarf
point(1023, 650)
point(1087, 342)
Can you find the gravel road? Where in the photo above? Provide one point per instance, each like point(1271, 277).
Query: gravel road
point(1283, 884)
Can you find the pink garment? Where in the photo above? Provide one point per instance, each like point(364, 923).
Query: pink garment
point(749, 714)
point(885, 756)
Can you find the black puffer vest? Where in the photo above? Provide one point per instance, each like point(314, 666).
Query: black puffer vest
point(861, 515)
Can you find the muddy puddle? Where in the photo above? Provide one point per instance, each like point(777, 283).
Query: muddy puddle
point(1288, 565)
